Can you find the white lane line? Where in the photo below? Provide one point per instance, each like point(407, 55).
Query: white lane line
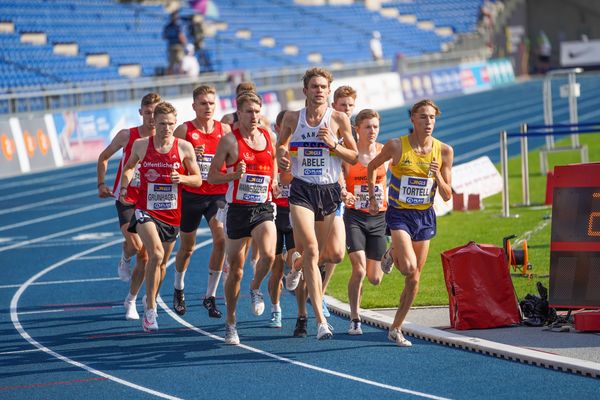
point(56, 215)
point(5, 353)
point(54, 200)
point(49, 178)
point(74, 308)
point(62, 282)
point(14, 316)
point(58, 234)
point(54, 188)
point(342, 375)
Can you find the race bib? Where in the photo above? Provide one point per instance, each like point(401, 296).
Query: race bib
point(284, 191)
point(204, 165)
point(162, 196)
point(415, 190)
point(253, 188)
point(313, 161)
point(135, 181)
point(361, 195)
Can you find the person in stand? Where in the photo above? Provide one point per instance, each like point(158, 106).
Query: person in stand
point(421, 166)
point(176, 41)
point(166, 163)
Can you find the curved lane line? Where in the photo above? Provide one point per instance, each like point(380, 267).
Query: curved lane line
point(14, 316)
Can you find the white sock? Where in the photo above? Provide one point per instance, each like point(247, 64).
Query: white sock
point(213, 282)
point(179, 280)
point(131, 298)
point(275, 308)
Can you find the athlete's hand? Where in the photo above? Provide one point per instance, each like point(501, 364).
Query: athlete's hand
point(327, 137)
point(283, 160)
point(104, 191)
point(349, 199)
point(276, 190)
point(123, 196)
point(199, 152)
point(241, 169)
point(175, 177)
point(373, 206)
point(434, 168)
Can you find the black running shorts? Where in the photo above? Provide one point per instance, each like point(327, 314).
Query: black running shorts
point(194, 206)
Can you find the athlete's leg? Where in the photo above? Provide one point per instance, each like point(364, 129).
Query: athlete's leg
point(409, 258)
point(236, 254)
point(359, 271)
point(149, 235)
point(264, 236)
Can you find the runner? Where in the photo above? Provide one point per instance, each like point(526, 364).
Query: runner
point(164, 161)
point(251, 176)
point(421, 165)
point(309, 146)
point(204, 133)
point(133, 245)
point(365, 233)
point(285, 239)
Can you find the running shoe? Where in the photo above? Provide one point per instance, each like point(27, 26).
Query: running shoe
point(301, 325)
point(275, 320)
point(211, 305)
point(179, 302)
point(149, 322)
point(326, 313)
point(355, 328)
point(124, 269)
point(387, 261)
point(395, 335)
point(231, 335)
point(292, 279)
point(258, 304)
point(131, 313)
point(324, 331)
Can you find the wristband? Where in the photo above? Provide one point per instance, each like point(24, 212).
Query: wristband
point(334, 147)
point(100, 184)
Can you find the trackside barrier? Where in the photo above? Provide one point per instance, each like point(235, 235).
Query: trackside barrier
point(540, 130)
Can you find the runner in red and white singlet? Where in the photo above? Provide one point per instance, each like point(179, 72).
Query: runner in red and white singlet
point(164, 161)
point(204, 133)
point(132, 245)
point(251, 175)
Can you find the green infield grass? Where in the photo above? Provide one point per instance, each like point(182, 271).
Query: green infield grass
point(487, 226)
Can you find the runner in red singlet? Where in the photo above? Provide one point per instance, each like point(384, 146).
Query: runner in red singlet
point(132, 245)
point(251, 175)
point(204, 133)
point(164, 161)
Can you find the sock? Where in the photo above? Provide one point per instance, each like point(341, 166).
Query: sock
point(179, 280)
point(131, 298)
point(213, 282)
point(276, 308)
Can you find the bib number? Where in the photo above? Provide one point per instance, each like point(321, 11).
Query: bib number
point(162, 196)
point(253, 188)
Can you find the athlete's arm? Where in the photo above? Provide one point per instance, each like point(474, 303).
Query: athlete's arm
point(346, 150)
point(227, 119)
point(226, 153)
point(290, 119)
point(181, 131)
point(347, 197)
point(118, 142)
point(193, 177)
point(275, 183)
point(443, 175)
point(137, 153)
point(390, 149)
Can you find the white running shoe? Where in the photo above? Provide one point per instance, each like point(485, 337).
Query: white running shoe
point(231, 335)
point(292, 279)
point(395, 335)
point(258, 304)
point(355, 328)
point(149, 323)
point(324, 331)
point(124, 269)
point(387, 261)
point(131, 313)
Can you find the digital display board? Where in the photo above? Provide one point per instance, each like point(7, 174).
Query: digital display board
point(575, 238)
